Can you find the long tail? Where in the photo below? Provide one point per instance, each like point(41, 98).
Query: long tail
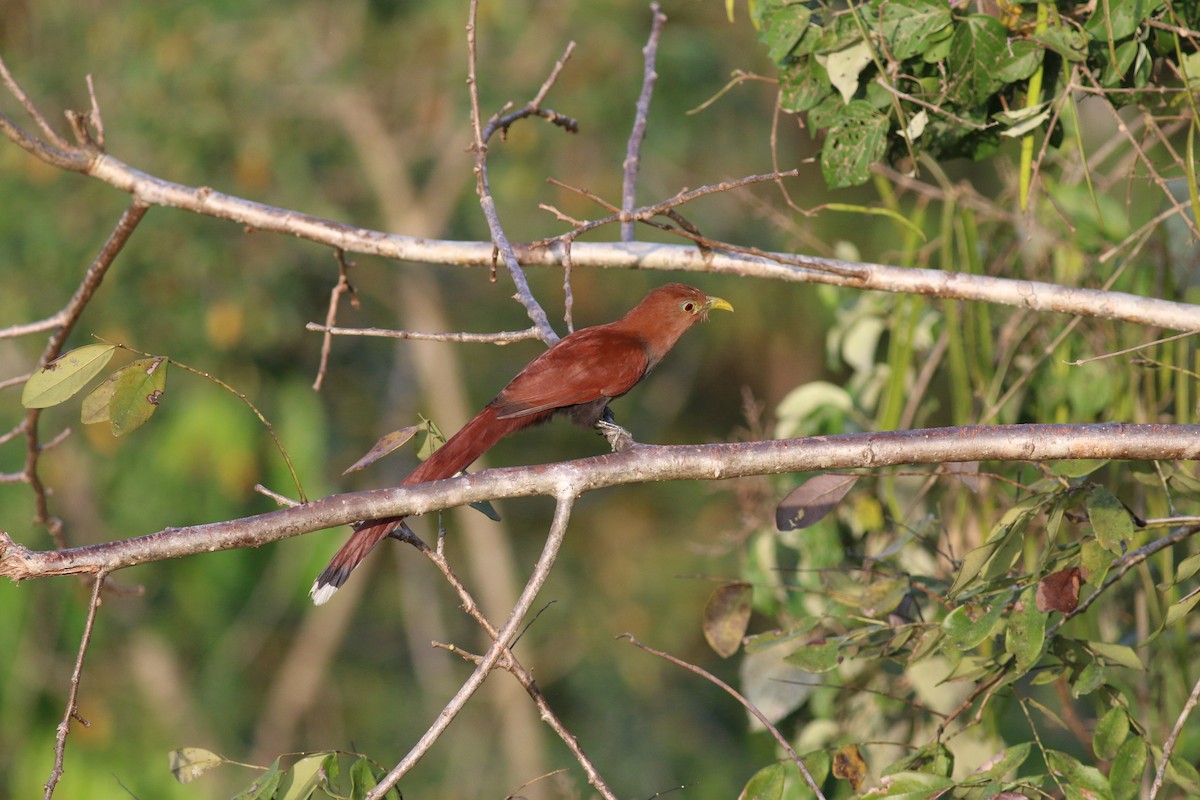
point(475, 438)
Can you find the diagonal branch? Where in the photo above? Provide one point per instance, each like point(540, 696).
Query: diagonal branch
point(72, 712)
point(633, 149)
point(558, 529)
point(639, 464)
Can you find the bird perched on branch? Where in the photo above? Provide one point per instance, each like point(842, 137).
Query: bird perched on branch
point(577, 377)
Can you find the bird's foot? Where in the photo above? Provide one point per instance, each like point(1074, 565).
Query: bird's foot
point(618, 438)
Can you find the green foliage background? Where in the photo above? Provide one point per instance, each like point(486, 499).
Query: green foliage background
point(268, 103)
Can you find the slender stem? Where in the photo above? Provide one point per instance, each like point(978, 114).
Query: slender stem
point(637, 135)
point(72, 712)
point(558, 529)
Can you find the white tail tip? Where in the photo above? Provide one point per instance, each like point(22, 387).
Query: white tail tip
point(321, 593)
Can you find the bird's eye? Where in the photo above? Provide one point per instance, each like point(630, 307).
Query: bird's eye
point(689, 306)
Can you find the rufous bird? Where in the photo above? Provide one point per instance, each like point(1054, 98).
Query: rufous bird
point(577, 377)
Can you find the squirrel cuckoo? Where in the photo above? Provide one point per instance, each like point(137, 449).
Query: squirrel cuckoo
point(576, 377)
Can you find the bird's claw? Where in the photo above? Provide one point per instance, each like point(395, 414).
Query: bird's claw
point(618, 438)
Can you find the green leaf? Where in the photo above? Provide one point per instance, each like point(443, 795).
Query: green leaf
point(803, 85)
point(1026, 632)
point(910, 26)
point(136, 394)
point(189, 763)
point(1182, 774)
point(306, 775)
point(1114, 20)
point(1089, 679)
point(1128, 766)
point(916, 784)
point(362, 778)
point(1024, 59)
point(972, 564)
point(96, 404)
point(1096, 561)
point(1076, 467)
point(1111, 731)
point(64, 376)
point(265, 786)
point(1118, 654)
point(1067, 42)
point(856, 141)
point(1179, 610)
point(980, 42)
point(1186, 569)
point(782, 29)
point(767, 784)
point(933, 758)
point(1110, 520)
point(726, 615)
point(968, 633)
point(1078, 774)
point(817, 658)
point(1001, 764)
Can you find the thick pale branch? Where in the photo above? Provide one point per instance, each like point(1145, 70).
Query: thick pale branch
point(599, 255)
point(639, 464)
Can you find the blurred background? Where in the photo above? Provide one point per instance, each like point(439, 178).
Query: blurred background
point(357, 112)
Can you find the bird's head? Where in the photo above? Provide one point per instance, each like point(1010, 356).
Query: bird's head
point(679, 303)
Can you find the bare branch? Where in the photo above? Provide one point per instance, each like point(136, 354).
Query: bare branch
point(509, 662)
point(639, 464)
point(72, 712)
point(1034, 295)
point(500, 337)
point(343, 286)
point(500, 240)
point(541, 571)
point(637, 135)
point(1169, 744)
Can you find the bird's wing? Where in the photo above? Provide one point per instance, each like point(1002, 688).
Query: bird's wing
point(586, 366)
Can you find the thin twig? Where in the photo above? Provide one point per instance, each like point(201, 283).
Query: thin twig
point(15, 89)
point(500, 337)
point(72, 712)
point(753, 709)
point(1169, 744)
point(508, 661)
point(558, 529)
point(343, 286)
point(633, 149)
point(504, 248)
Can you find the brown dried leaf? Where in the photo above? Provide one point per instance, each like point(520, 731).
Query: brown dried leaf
point(726, 615)
point(386, 444)
point(812, 500)
point(1059, 591)
point(848, 764)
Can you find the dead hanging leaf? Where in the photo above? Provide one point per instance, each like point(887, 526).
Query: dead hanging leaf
point(726, 615)
point(1059, 591)
point(189, 763)
point(386, 444)
point(849, 765)
point(812, 500)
